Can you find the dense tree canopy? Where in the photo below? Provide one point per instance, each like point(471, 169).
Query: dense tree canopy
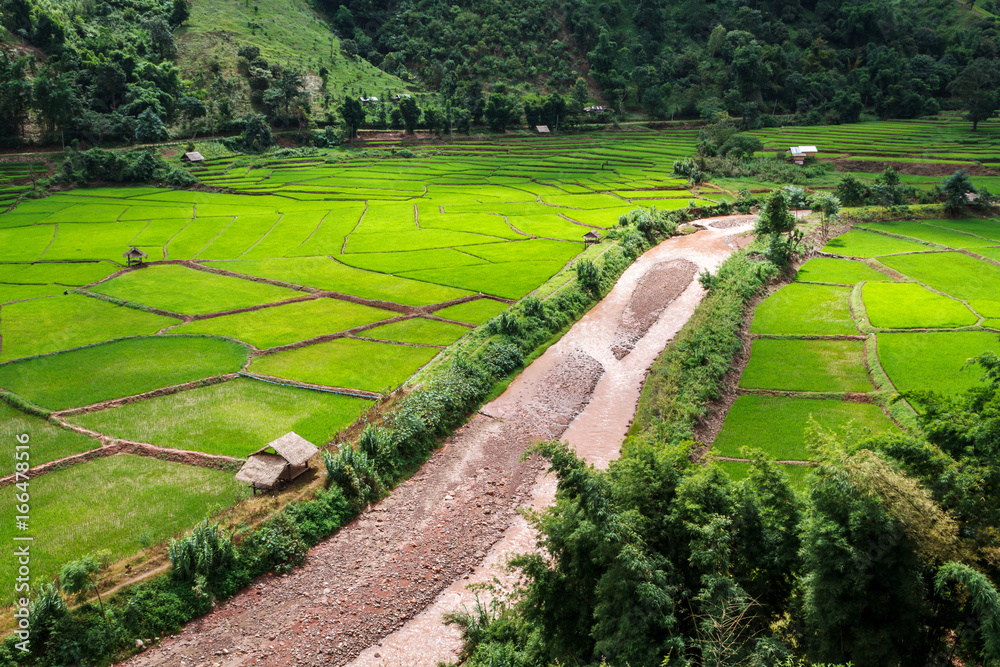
point(106, 67)
point(827, 59)
point(886, 558)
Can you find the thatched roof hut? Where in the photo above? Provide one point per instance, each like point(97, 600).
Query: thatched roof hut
point(262, 471)
point(283, 459)
point(593, 236)
point(293, 448)
point(134, 255)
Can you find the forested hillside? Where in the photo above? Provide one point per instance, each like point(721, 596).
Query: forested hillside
point(681, 57)
point(128, 70)
point(136, 70)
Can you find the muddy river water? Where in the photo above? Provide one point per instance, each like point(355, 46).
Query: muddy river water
point(597, 432)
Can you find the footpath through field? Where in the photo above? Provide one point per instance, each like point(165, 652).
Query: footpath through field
point(383, 582)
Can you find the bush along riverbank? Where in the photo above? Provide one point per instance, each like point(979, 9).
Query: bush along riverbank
point(885, 558)
point(209, 564)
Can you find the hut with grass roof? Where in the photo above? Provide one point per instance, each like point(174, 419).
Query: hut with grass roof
point(134, 255)
point(281, 460)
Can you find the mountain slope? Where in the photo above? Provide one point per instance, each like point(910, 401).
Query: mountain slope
point(288, 32)
point(677, 56)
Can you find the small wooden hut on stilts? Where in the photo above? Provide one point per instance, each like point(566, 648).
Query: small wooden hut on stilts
point(281, 460)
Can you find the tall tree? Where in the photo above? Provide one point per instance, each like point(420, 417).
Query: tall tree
point(864, 598)
point(977, 88)
point(150, 127)
point(256, 132)
point(956, 189)
point(179, 13)
point(353, 114)
point(15, 98)
point(777, 223)
point(501, 111)
point(410, 112)
point(77, 578)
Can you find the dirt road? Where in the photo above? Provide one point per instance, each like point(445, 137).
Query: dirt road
point(383, 582)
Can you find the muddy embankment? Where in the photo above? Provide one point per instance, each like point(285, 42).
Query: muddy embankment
point(375, 593)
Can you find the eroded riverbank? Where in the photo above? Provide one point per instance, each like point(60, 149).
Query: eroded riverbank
point(598, 431)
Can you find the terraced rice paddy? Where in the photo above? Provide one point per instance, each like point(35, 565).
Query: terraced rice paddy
point(924, 305)
point(776, 424)
point(349, 272)
point(346, 272)
point(926, 141)
point(230, 419)
point(120, 504)
point(15, 179)
point(120, 368)
point(50, 442)
point(802, 308)
point(472, 312)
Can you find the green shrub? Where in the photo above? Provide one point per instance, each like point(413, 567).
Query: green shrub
point(203, 552)
point(277, 546)
point(161, 606)
point(321, 516)
point(143, 165)
point(374, 440)
point(589, 275)
point(505, 324)
point(353, 471)
point(499, 359)
point(532, 306)
point(46, 609)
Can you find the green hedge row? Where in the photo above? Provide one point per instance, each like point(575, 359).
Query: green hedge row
point(690, 373)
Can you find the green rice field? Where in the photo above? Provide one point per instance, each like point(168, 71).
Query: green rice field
point(41, 326)
point(347, 363)
point(372, 237)
point(351, 271)
point(419, 331)
point(910, 306)
point(48, 442)
point(957, 275)
point(120, 504)
point(348, 270)
point(472, 312)
point(798, 349)
point(777, 425)
point(837, 271)
point(806, 365)
point(801, 308)
point(119, 368)
point(935, 361)
point(289, 323)
point(234, 418)
point(864, 244)
point(181, 290)
point(933, 140)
